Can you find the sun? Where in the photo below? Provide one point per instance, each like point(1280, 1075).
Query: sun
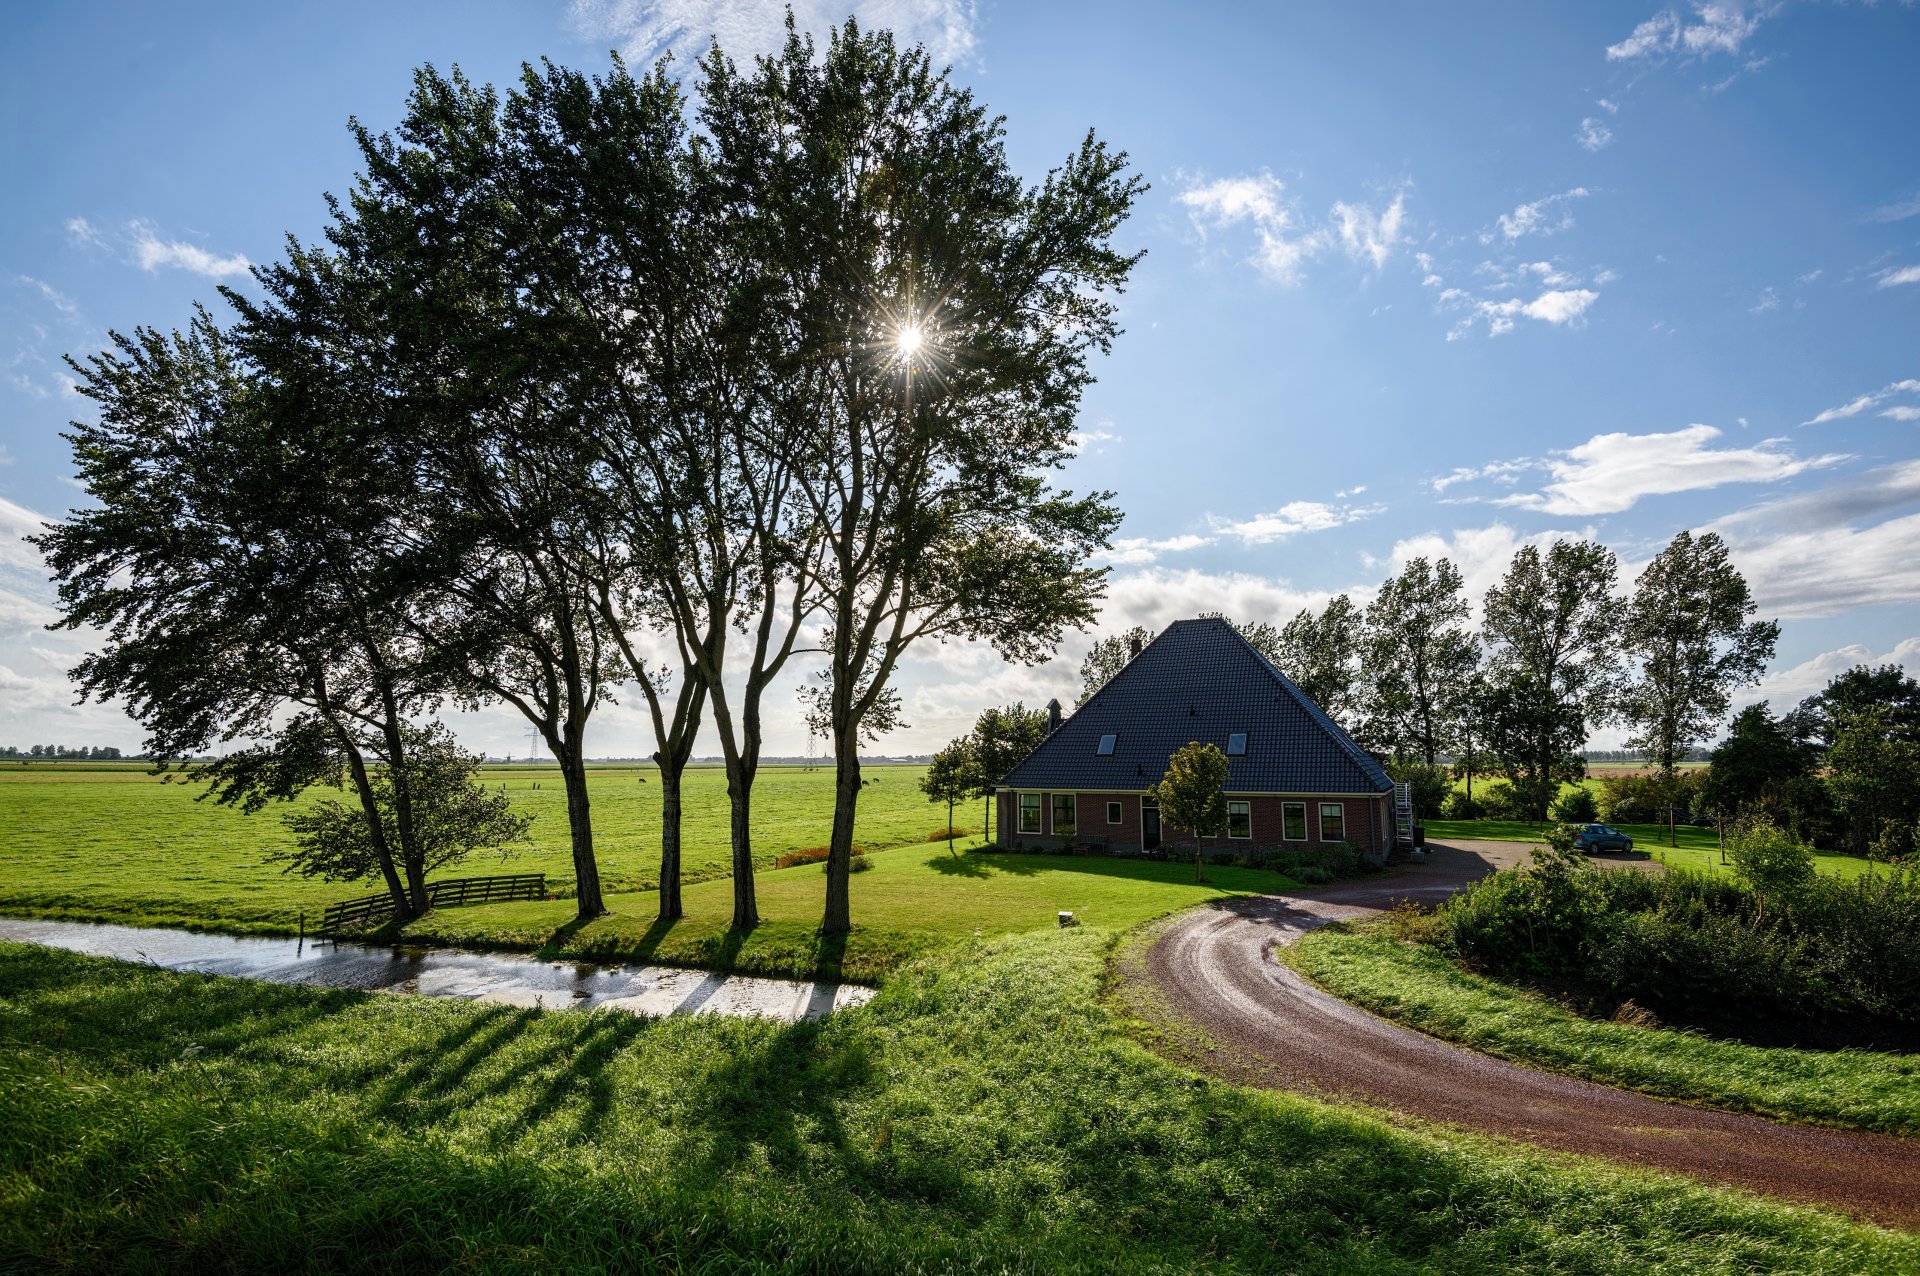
point(908, 340)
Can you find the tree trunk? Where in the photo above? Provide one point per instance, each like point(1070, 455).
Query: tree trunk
point(670, 776)
point(746, 909)
point(838, 918)
point(417, 885)
point(586, 870)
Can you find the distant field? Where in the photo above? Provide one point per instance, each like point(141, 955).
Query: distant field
point(114, 843)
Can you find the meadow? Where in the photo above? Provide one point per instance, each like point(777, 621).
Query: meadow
point(113, 843)
point(986, 1112)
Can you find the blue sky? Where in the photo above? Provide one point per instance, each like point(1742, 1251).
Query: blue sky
point(1419, 279)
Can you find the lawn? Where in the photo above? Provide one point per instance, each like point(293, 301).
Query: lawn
point(912, 900)
point(1418, 986)
point(110, 843)
point(984, 1113)
point(1698, 848)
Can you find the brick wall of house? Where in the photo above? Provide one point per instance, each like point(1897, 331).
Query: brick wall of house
point(1363, 823)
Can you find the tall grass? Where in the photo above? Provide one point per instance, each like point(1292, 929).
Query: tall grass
point(984, 1113)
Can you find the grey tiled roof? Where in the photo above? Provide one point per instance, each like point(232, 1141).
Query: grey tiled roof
point(1200, 680)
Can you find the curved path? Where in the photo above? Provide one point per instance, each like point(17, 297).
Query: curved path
point(1214, 967)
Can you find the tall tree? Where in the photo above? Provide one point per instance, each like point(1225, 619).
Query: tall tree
point(941, 318)
point(952, 777)
point(1687, 627)
point(223, 561)
point(1321, 652)
point(1553, 664)
point(1420, 659)
point(1002, 737)
point(1108, 657)
point(1755, 767)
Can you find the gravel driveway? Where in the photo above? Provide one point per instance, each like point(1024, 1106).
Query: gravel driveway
point(1213, 969)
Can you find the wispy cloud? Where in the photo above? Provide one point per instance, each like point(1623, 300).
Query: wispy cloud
point(645, 29)
point(1283, 241)
point(1506, 472)
point(1897, 212)
point(152, 252)
point(66, 305)
point(1547, 216)
point(80, 231)
point(1134, 551)
point(1291, 519)
point(1611, 473)
point(1593, 134)
point(1876, 399)
point(1559, 307)
point(1094, 441)
point(1713, 28)
point(1894, 277)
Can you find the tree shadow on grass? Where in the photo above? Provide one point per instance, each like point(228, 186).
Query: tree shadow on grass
point(778, 1099)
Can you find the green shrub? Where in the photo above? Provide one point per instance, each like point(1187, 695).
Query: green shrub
point(1576, 806)
point(1311, 875)
point(1771, 860)
point(1428, 786)
point(1501, 802)
point(1460, 806)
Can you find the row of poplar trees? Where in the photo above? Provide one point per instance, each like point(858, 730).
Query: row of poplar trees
point(611, 382)
point(1560, 649)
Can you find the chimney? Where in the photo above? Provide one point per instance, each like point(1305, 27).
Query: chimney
point(1053, 716)
point(1133, 646)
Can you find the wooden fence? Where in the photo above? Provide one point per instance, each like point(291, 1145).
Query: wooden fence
point(442, 894)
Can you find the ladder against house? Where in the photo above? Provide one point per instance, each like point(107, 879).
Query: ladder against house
point(1403, 813)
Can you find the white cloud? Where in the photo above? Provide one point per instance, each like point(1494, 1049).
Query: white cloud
point(1609, 473)
point(1560, 307)
point(1827, 572)
point(1091, 440)
point(80, 231)
point(1785, 688)
point(1260, 201)
point(645, 29)
point(1898, 212)
point(1367, 235)
point(1290, 520)
point(1507, 472)
point(1713, 28)
point(151, 252)
point(1867, 402)
point(1547, 216)
point(1134, 551)
point(1892, 278)
point(1593, 134)
point(1283, 242)
point(1768, 300)
point(66, 305)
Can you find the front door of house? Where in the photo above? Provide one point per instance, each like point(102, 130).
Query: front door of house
point(1149, 826)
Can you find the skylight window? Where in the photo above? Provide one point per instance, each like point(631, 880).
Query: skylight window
point(1106, 746)
point(1237, 745)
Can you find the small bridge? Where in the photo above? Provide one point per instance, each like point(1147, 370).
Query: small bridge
point(447, 893)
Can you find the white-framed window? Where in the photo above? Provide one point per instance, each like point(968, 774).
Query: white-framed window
point(1063, 804)
point(1333, 821)
point(1113, 812)
point(1107, 742)
point(1293, 821)
point(1240, 819)
point(1237, 744)
point(1029, 812)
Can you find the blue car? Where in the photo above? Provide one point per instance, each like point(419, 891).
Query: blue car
point(1594, 838)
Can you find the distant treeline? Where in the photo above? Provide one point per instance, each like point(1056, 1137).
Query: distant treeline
point(60, 752)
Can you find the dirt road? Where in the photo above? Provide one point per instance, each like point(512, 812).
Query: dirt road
point(1214, 969)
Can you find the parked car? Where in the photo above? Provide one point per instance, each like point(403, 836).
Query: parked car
point(1594, 838)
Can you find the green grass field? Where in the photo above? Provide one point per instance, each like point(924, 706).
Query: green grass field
point(912, 900)
point(1698, 848)
point(1419, 987)
point(112, 843)
point(984, 1113)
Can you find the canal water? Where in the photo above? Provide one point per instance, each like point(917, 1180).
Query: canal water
point(442, 972)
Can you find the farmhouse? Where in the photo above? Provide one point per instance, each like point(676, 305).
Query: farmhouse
point(1296, 780)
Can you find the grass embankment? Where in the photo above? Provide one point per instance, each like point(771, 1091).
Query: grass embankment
point(912, 900)
point(104, 843)
point(1698, 848)
point(984, 1113)
point(1420, 987)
